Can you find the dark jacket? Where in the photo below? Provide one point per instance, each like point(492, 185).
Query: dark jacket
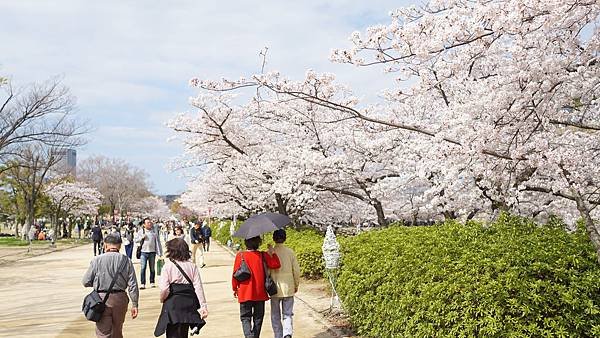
point(196, 235)
point(180, 307)
point(97, 234)
point(206, 231)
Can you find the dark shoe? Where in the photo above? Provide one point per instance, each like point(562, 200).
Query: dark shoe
point(288, 336)
point(203, 265)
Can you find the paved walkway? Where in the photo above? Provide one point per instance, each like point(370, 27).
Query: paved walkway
point(41, 297)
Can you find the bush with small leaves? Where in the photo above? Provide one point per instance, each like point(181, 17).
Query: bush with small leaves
point(512, 278)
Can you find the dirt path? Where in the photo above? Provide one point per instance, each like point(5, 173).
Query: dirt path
point(41, 297)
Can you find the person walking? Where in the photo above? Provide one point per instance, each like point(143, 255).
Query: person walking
point(181, 293)
point(206, 235)
point(287, 279)
point(100, 274)
point(97, 238)
point(177, 233)
point(251, 293)
point(149, 240)
point(197, 242)
point(128, 240)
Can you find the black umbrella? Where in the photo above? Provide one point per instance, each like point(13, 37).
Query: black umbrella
point(261, 224)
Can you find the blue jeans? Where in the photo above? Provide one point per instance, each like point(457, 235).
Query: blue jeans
point(129, 250)
point(147, 257)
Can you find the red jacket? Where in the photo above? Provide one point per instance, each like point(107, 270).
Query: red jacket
point(253, 289)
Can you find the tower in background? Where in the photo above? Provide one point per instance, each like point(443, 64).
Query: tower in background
point(68, 162)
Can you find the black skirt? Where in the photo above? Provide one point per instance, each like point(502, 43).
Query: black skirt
point(181, 307)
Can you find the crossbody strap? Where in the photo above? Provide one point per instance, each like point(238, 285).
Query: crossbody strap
point(183, 273)
point(262, 255)
point(114, 280)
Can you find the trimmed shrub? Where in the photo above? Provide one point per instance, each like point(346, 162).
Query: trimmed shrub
point(510, 279)
point(222, 235)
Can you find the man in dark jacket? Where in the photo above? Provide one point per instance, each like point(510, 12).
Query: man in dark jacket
point(206, 234)
point(97, 238)
point(197, 241)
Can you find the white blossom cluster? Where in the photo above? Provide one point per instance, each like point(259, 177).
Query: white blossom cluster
point(496, 109)
point(76, 198)
point(153, 207)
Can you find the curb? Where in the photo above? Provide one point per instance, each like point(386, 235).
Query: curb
point(316, 314)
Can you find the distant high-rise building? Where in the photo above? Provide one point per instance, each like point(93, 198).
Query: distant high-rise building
point(68, 162)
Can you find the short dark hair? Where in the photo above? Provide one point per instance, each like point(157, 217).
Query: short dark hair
point(279, 236)
point(177, 249)
point(253, 243)
point(146, 219)
point(113, 238)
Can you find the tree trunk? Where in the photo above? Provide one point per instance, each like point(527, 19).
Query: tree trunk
point(281, 204)
point(112, 212)
point(380, 214)
point(30, 217)
point(449, 215)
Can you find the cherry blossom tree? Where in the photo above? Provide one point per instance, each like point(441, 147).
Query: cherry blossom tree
point(153, 207)
point(72, 199)
point(495, 110)
point(120, 183)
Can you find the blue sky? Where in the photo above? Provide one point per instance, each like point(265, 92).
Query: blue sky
point(129, 62)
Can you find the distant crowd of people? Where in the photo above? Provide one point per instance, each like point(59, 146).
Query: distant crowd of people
point(185, 308)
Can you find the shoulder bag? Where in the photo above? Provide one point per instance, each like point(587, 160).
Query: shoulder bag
point(270, 285)
point(138, 251)
point(243, 272)
point(93, 306)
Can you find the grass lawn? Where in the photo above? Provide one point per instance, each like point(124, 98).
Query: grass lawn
point(11, 241)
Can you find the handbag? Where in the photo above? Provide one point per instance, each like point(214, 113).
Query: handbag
point(138, 251)
point(243, 272)
point(270, 285)
point(159, 265)
point(93, 305)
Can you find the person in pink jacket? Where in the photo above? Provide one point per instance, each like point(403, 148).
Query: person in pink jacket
point(181, 292)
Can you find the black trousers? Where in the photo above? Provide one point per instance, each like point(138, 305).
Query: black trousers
point(206, 244)
point(98, 245)
point(252, 311)
point(177, 330)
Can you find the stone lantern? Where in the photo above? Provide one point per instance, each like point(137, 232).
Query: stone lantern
point(331, 255)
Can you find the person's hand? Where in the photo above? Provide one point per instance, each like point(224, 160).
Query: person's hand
point(270, 249)
point(235, 294)
point(203, 312)
point(134, 312)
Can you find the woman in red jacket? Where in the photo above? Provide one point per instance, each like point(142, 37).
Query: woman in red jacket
point(251, 293)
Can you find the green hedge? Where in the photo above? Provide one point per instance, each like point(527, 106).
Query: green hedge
point(510, 279)
point(222, 234)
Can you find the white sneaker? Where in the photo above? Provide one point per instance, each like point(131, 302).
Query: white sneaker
point(152, 285)
point(142, 287)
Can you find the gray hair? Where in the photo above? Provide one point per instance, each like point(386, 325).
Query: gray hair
point(113, 238)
